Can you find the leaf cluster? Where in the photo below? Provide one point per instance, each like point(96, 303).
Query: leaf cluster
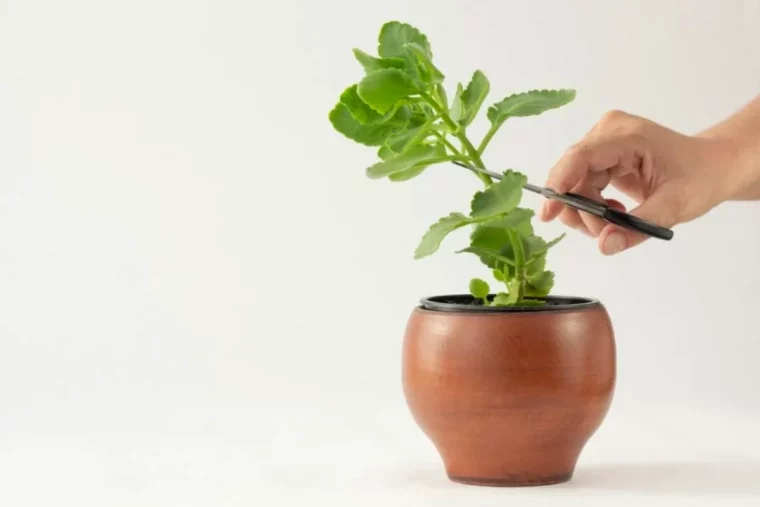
point(400, 107)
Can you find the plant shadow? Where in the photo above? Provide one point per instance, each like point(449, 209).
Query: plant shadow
point(694, 478)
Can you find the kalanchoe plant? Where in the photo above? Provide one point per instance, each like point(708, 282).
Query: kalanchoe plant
point(401, 107)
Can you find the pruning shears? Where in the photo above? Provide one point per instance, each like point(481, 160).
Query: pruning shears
point(602, 210)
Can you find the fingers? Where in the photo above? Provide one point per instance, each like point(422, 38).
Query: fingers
point(612, 203)
point(572, 218)
point(579, 220)
point(613, 144)
point(591, 186)
point(620, 149)
point(660, 208)
point(587, 165)
point(587, 158)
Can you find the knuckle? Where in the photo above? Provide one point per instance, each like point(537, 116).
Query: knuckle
point(577, 150)
point(613, 116)
point(636, 129)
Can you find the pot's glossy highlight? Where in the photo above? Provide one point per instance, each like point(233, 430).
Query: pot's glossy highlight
point(510, 398)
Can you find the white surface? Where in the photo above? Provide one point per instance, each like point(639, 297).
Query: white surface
point(203, 297)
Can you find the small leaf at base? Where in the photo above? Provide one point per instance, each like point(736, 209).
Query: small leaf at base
point(540, 285)
point(501, 299)
point(479, 288)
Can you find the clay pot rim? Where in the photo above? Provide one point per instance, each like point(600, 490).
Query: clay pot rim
point(560, 303)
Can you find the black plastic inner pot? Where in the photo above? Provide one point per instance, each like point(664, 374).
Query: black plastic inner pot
point(467, 303)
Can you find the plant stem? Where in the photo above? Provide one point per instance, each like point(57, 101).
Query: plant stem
point(438, 160)
point(448, 144)
point(459, 133)
point(488, 136)
point(519, 251)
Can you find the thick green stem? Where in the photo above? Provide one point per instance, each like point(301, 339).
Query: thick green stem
point(438, 160)
point(519, 252)
point(487, 138)
point(447, 143)
point(459, 134)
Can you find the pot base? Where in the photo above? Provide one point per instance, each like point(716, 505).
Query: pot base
point(511, 482)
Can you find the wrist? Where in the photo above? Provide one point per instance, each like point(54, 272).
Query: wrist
point(733, 164)
point(739, 139)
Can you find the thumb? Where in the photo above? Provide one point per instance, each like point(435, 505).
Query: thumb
point(658, 208)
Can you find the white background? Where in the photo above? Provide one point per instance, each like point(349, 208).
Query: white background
point(203, 297)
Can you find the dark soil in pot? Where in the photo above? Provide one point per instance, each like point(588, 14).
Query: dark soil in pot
point(466, 302)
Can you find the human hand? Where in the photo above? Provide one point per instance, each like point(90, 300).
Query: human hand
point(675, 178)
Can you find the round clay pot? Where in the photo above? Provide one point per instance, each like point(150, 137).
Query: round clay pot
point(509, 396)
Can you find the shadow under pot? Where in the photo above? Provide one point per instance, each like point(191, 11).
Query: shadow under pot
point(509, 395)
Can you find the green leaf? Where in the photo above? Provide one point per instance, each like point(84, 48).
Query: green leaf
point(492, 235)
point(473, 97)
point(425, 70)
point(403, 161)
point(515, 219)
point(489, 239)
point(532, 302)
point(540, 285)
point(479, 288)
point(358, 108)
point(500, 198)
point(395, 35)
point(407, 174)
point(438, 231)
point(492, 238)
point(399, 143)
point(536, 265)
point(501, 299)
point(371, 63)
point(529, 103)
point(535, 246)
point(442, 94)
point(356, 120)
point(368, 134)
point(384, 153)
point(498, 275)
point(487, 252)
point(383, 89)
point(456, 111)
point(555, 241)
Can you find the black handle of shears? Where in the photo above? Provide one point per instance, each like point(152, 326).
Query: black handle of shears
point(616, 217)
point(637, 224)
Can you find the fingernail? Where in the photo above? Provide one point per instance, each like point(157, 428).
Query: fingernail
point(615, 243)
point(542, 211)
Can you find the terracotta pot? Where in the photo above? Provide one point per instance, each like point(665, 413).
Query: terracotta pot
point(509, 396)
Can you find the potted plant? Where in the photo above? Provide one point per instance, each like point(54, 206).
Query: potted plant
point(509, 385)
